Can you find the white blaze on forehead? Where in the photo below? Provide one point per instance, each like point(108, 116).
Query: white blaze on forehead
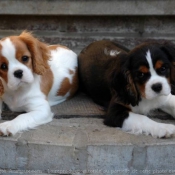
point(155, 78)
point(8, 49)
point(149, 59)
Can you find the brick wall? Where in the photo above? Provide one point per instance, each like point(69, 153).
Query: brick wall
point(74, 26)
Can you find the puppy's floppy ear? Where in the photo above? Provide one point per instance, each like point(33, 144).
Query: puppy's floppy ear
point(169, 49)
point(123, 86)
point(39, 51)
point(1, 88)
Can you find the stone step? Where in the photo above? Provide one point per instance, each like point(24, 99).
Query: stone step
point(80, 106)
point(77, 142)
point(85, 146)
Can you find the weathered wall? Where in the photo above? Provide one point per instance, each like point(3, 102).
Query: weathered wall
point(78, 31)
point(77, 23)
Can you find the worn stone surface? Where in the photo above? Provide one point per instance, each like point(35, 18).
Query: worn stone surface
point(86, 146)
point(80, 106)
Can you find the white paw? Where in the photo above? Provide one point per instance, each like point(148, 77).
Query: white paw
point(163, 130)
point(140, 124)
point(157, 130)
point(7, 129)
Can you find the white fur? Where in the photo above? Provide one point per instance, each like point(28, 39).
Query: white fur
point(140, 124)
point(62, 60)
point(155, 78)
point(114, 52)
point(111, 52)
point(137, 121)
point(8, 51)
point(25, 94)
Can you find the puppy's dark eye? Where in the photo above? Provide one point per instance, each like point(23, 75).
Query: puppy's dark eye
point(4, 66)
point(163, 69)
point(24, 58)
point(140, 74)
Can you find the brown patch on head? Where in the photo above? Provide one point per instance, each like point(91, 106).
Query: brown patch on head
point(22, 51)
point(54, 47)
point(66, 86)
point(3, 72)
point(143, 69)
point(158, 64)
point(46, 82)
point(39, 51)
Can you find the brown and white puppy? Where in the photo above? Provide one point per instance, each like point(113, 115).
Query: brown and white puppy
point(33, 77)
point(131, 84)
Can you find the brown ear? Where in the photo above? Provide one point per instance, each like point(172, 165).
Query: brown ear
point(39, 51)
point(1, 88)
point(123, 84)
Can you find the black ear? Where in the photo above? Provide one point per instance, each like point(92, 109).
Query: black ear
point(123, 86)
point(169, 49)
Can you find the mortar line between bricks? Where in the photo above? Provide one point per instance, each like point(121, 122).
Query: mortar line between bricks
point(53, 34)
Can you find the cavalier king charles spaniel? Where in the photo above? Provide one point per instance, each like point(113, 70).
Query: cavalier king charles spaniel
point(33, 77)
point(131, 84)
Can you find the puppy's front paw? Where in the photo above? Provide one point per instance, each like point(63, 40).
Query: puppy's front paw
point(7, 129)
point(163, 130)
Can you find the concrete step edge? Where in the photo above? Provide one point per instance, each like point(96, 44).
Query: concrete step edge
point(82, 7)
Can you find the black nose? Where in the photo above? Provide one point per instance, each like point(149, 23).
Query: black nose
point(157, 87)
point(18, 73)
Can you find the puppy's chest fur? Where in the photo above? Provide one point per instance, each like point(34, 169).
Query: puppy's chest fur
point(145, 106)
point(21, 99)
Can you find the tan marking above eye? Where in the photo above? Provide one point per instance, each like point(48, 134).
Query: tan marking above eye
point(143, 69)
point(158, 64)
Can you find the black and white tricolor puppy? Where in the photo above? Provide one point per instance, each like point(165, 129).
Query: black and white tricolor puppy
point(131, 84)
